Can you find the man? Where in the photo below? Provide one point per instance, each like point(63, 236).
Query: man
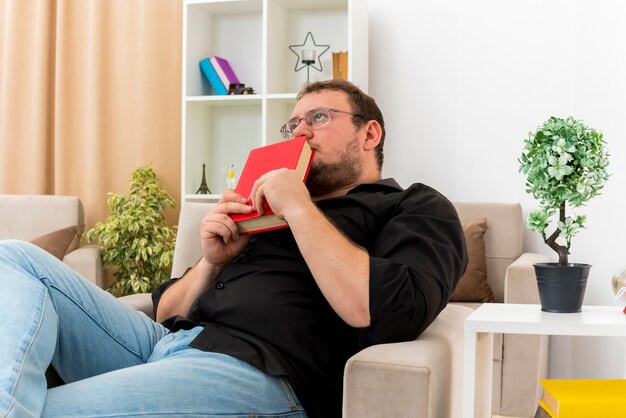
point(261, 325)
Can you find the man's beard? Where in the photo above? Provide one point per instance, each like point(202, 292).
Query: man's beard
point(325, 178)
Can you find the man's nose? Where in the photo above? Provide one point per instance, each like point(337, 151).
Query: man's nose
point(303, 130)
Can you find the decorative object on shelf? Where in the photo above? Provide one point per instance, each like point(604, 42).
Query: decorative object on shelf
point(135, 241)
point(618, 284)
point(308, 54)
point(566, 163)
point(239, 88)
point(231, 181)
point(204, 188)
point(340, 65)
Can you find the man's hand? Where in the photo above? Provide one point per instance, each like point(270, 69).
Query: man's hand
point(219, 237)
point(220, 243)
point(283, 189)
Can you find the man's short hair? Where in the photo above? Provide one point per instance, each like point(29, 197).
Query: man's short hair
point(361, 103)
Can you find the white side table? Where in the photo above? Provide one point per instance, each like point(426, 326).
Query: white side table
point(490, 318)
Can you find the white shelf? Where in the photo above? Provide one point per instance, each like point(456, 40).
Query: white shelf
point(284, 97)
point(312, 4)
point(220, 7)
point(240, 100)
point(202, 197)
point(254, 36)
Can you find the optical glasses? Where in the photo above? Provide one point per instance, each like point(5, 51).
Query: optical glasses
point(314, 119)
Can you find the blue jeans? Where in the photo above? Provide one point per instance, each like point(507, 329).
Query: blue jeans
point(116, 361)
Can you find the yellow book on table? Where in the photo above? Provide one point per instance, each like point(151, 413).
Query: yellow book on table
point(581, 398)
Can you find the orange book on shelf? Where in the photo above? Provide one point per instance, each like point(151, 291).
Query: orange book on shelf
point(340, 65)
point(578, 398)
point(294, 154)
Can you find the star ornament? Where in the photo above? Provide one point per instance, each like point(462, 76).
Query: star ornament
point(308, 44)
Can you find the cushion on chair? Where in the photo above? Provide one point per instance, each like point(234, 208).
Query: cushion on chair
point(33, 217)
point(503, 238)
point(60, 242)
point(473, 286)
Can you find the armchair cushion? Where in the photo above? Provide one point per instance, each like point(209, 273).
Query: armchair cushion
point(60, 242)
point(503, 239)
point(26, 217)
point(473, 286)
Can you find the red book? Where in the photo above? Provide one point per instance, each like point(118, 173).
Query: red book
point(294, 154)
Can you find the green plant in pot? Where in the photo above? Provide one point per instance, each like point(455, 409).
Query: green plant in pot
point(135, 240)
point(566, 163)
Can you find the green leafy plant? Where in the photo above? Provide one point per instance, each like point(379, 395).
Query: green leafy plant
point(135, 241)
point(566, 165)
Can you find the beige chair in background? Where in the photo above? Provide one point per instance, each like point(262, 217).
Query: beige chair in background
point(423, 378)
point(27, 217)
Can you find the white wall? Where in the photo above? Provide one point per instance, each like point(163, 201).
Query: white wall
point(462, 83)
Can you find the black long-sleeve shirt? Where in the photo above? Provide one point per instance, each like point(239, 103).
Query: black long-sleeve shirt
point(265, 307)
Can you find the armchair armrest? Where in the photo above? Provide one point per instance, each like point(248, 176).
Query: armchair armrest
point(141, 302)
point(420, 378)
point(87, 262)
point(520, 282)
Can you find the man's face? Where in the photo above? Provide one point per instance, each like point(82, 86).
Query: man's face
point(338, 145)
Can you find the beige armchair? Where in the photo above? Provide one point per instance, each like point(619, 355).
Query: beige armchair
point(27, 217)
point(423, 378)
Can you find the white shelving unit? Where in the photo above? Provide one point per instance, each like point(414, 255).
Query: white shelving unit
point(254, 36)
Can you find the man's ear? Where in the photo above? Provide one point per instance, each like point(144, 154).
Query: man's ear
point(373, 133)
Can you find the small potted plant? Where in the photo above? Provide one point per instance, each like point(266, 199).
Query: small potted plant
point(135, 241)
point(566, 163)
